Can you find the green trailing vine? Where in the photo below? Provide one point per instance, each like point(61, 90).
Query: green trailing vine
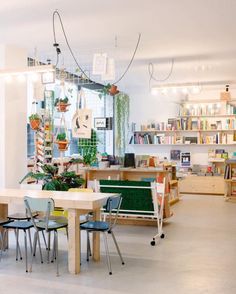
point(122, 122)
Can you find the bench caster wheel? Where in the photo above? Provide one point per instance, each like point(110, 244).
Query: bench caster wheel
point(162, 236)
point(153, 243)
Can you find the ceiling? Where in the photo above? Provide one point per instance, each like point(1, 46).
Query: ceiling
point(198, 35)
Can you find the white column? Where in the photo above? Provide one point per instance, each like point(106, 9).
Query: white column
point(13, 119)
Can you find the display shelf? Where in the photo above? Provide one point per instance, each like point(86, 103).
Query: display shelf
point(230, 179)
point(183, 144)
point(194, 131)
point(207, 115)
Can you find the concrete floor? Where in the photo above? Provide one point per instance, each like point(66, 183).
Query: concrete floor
point(198, 255)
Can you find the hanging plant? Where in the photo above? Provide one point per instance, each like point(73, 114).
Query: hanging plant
point(35, 121)
point(122, 122)
point(62, 141)
point(62, 104)
point(108, 90)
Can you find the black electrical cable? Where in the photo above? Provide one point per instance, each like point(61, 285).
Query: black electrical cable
point(151, 72)
point(72, 53)
point(128, 67)
point(67, 42)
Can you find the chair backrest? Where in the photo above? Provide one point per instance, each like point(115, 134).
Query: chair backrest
point(44, 205)
point(113, 204)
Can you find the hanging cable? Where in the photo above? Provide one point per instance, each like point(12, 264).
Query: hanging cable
point(151, 72)
point(67, 42)
point(129, 65)
point(58, 51)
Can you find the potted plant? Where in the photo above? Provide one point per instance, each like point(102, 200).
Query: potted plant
point(35, 121)
point(88, 149)
point(54, 181)
point(62, 141)
point(62, 104)
point(108, 90)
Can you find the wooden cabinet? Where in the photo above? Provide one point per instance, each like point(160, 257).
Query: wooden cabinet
point(202, 185)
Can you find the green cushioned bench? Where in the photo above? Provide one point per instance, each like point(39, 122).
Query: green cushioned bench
point(136, 201)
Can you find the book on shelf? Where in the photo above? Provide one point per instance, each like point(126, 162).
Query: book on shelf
point(190, 140)
point(194, 125)
point(233, 174)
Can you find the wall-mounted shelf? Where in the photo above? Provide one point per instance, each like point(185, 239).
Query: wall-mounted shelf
point(203, 145)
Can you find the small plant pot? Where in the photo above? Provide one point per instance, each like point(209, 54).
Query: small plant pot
point(34, 124)
point(113, 90)
point(62, 145)
point(62, 107)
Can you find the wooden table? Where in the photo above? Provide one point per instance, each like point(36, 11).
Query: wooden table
point(77, 203)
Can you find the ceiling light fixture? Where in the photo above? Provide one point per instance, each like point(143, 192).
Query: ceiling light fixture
point(177, 88)
point(27, 70)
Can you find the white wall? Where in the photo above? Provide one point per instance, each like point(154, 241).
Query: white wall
point(145, 108)
point(13, 119)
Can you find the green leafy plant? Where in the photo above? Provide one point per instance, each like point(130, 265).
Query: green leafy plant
point(121, 122)
point(34, 116)
point(61, 137)
point(61, 100)
point(54, 182)
point(104, 91)
point(88, 148)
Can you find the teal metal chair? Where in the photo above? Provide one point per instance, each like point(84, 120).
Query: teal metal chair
point(112, 207)
point(3, 235)
point(46, 207)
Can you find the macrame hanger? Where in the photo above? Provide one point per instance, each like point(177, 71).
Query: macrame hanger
point(62, 127)
point(81, 100)
point(34, 107)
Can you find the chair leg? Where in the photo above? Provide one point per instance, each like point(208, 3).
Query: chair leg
point(56, 251)
point(53, 251)
point(49, 245)
point(40, 250)
point(26, 255)
point(44, 239)
point(2, 245)
point(17, 245)
point(30, 240)
point(107, 253)
point(67, 233)
point(117, 247)
point(33, 252)
point(88, 246)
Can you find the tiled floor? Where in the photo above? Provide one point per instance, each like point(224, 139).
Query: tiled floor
point(198, 255)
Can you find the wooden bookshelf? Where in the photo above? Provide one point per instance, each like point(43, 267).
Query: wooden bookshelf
point(230, 179)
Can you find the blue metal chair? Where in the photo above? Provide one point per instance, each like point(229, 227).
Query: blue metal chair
point(112, 207)
point(17, 226)
point(3, 235)
point(45, 206)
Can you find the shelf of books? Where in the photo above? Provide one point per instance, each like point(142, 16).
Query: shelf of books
point(230, 179)
point(198, 124)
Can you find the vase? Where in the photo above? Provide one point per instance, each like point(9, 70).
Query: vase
point(34, 124)
point(62, 145)
point(113, 90)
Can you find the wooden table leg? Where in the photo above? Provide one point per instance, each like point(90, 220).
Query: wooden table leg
point(3, 215)
point(74, 241)
point(96, 237)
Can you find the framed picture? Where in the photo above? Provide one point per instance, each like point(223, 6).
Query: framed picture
point(100, 123)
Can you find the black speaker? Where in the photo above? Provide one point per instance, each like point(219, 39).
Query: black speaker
point(129, 160)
